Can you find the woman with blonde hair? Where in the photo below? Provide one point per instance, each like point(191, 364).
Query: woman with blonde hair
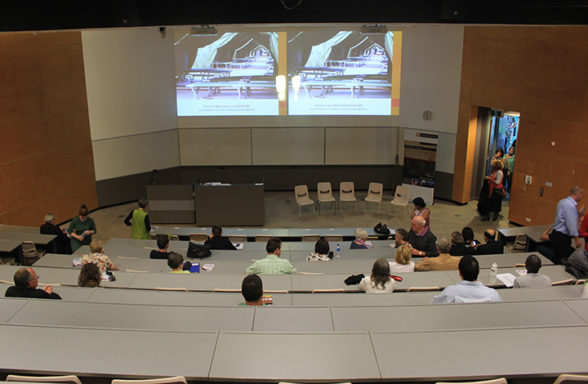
point(379, 281)
point(402, 260)
point(98, 257)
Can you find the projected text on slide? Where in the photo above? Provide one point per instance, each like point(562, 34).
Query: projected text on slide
point(343, 73)
point(231, 74)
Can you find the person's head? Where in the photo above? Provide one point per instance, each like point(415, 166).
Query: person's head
point(403, 254)
point(499, 152)
point(419, 203)
point(577, 193)
point(90, 276)
point(322, 246)
point(489, 234)
point(217, 231)
point(162, 241)
point(143, 202)
point(511, 151)
point(400, 236)
point(457, 238)
point(252, 289)
point(469, 268)
point(83, 212)
point(443, 244)
point(26, 277)
point(380, 273)
point(468, 234)
point(361, 234)
point(497, 164)
point(175, 260)
point(533, 264)
point(50, 218)
point(274, 246)
point(96, 246)
point(417, 224)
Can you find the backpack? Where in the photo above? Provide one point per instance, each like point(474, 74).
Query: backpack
point(197, 251)
point(382, 229)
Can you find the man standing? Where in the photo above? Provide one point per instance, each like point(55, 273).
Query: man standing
point(421, 238)
point(272, 264)
point(139, 219)
point(470, 290)
point(565, 226)
point(25, 285)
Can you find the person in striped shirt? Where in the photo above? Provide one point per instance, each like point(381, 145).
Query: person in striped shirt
point(271, 264)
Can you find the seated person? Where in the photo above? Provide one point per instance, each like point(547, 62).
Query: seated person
point(469, 290)
point(271, 264)
point(162, 244)
point(218, 241)
point(400, 237)
point(458, 247)
point(252, 290)
point(532, 279)
point(468, 237)
point(176, 262)
point(421, 238)
point(322, 251)
point(577, 263)
point(361, 236)
point(402, 260)
point(98, 257)
point(25, 285)
point(443, 262)
point(62, 243)
point(90, 276)
point(491, 246)
point(379, 281)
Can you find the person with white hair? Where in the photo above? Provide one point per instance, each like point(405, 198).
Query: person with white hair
point(62, 243)
point(361, 236)
point(421, 239)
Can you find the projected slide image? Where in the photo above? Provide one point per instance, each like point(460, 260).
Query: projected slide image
point(230, 74)
point(340, 73)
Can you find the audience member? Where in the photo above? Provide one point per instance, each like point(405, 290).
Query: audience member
point(272, 264)
point(578, 263)
point(176, 262)
point(443, 262)
point(252, 290)
point(361, 236)
point(421, 239)
point(379, 281)
point(139, 219)
point(421, 209)
point(90, 276)
point(25, 285)
point(469, 290)
point(218, 241)
point(468, 237)
point(402, 260)
point(400, 237)
point(583, 231)
point(162, 245)
point(98, 257)
point(81, 229)
point(322, 251)
point(532, 279)
point(62, 242)
point(491, 246)
point(565, 226)
point(458, 247)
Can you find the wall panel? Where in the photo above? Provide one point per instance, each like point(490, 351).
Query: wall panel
point(361, 145)
point(231, 146)
point(287, 146)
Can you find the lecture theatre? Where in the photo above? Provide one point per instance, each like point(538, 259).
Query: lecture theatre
point(245, 116)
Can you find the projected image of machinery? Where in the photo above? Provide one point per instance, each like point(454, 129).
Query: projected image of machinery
point(234, 66)
point(345, 66)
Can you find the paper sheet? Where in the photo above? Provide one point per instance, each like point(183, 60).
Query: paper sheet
point(506, 278)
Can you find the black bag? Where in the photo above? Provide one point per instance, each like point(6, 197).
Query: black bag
point(197, 251)
point(354, 279)
point(498, 193)
point(382, 229)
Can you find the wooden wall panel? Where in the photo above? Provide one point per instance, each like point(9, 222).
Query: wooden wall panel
point(46, 162)
point(542, 73)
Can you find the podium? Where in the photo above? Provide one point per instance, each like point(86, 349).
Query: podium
point(229, 204)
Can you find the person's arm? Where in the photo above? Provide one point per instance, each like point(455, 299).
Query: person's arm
point(290, 268)
point(363, 285)
point(570, 219)
point(516, 283)
point(424, 265)
point(92, 229)
point(545, 235)
point(431, 250)
point(147, 223)
point(252, 270)
point(128, 218)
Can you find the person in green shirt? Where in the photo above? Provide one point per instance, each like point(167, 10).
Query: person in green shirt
point(509, 162)
point(176, 262)
point(272, 264)
point(139, 219)
point(81, 229)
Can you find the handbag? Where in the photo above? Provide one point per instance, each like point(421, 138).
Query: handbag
point(197, 251)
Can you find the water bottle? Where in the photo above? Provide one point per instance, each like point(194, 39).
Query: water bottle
point(338, 250)
point(493, 273)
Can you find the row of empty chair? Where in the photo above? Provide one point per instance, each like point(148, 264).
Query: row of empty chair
point(347, 195)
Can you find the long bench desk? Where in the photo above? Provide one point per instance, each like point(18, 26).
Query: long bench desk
point(555, 272)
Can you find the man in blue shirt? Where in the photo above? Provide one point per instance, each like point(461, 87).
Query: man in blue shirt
point(469, 290)
point(565, 226)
